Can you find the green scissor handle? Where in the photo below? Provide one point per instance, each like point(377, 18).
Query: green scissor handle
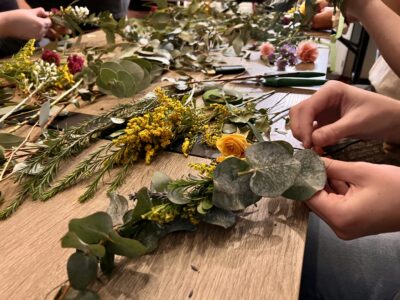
point(291, 81)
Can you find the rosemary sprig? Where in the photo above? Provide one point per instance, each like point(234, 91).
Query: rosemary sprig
point(69, 144)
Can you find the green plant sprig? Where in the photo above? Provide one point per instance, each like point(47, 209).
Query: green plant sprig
point(179, 205)
point(67, 144)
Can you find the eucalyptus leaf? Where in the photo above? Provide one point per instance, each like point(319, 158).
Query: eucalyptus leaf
point(229, 128)
point(123, 246)
point(312, 177)
point(220, 217)
point(159, 182)
point(143, 204)
point(92, 229)
point(71, 240)
point(8, 140)
point(117, 208)
point(274, 169)
point(177, 196)
point(128, 82)
point(231, 190)
point(237, 45)
point(82, 270)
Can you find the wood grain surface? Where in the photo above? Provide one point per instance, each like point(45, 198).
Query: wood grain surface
point(260, 258)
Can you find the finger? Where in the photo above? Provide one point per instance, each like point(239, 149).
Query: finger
point(330, 134)
point(40, 12)
point(338, 186)
point(303, 115)
point(53, 34)
point(348, 172)
point(328, 206)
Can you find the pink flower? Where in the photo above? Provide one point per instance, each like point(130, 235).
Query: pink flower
point(307, 51)
point(55, 12)
point(267, 49)
point(51, 57)
point(75, 63)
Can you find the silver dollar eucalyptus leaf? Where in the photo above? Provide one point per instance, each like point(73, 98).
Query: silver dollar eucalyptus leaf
point(312, 177)
point(231, 189)
point(274, 169)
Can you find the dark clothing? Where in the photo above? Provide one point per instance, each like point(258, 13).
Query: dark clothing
point(139, 5)
point(6, 5)
point(9, 46)
point(366, 268)
point(118, 8)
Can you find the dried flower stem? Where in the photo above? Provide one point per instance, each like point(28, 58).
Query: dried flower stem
point(15, 151)
point(22, 103)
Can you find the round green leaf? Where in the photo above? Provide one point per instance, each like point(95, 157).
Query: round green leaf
point(107, 76)
point(274, 169)
point(126, 247)
point(177, 196)
point(118, 89)
point(71, 240)
point(231, 190)
point(312, 177)
point(220, 217)
point(128, 82)
point(159, 182)
point(92, 229)
point(112, 65)
point(82, 270)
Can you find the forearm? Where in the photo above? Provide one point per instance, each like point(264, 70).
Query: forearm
point(4, 16)
point(382, 24)
point(22, 4)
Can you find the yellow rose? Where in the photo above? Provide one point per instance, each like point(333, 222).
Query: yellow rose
point(232, 145)
point(302, 8)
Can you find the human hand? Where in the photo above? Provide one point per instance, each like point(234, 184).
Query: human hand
point(26, 24)
point(360, 199)
point(323, 19)
point(339, 110)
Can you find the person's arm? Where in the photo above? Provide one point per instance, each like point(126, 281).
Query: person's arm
point(23, 4)
point(24, 24)
point(339, 110)
point(360, 199)
point(381, 22)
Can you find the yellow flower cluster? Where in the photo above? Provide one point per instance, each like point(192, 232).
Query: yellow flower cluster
point(167, 213)
point(203, 168)
point(65, 78)
point(20, 62)
point(186, 147)
point(212, 131)
point(154, 130)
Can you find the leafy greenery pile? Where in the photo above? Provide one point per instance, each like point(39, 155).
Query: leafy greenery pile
point(271, 169)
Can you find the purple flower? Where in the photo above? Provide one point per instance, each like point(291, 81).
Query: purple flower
point(281, 64)
point(272, 58)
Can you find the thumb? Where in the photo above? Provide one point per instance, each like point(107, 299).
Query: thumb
point(329, 134)
point(40, 12)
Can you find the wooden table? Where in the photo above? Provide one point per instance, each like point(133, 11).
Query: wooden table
point(260, 258)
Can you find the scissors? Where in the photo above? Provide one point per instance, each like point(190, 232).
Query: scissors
point(292, 79)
